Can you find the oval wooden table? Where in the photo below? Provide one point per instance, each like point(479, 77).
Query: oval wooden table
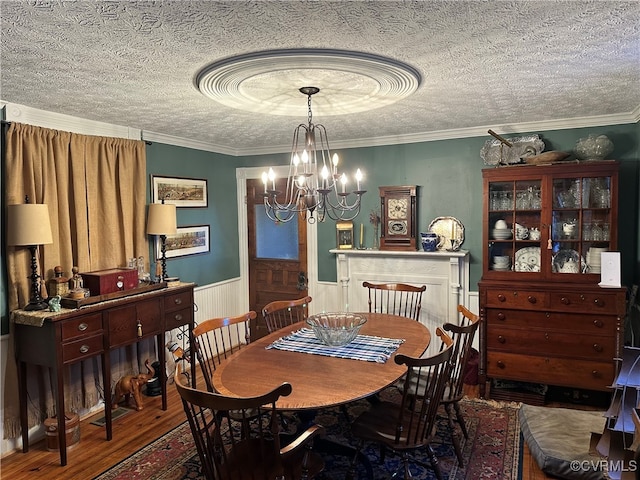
point(319, 381)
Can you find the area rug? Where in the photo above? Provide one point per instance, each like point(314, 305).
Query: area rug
point(492, 452)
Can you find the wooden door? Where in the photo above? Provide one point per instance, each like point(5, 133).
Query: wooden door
point(277, 256)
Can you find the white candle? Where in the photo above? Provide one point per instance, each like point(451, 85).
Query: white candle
point(361, 234)
point(358, 178)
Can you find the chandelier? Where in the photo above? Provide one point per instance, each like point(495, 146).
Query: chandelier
point(315, 190)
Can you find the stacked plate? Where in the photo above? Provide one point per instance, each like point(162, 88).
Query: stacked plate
point(501, 263)
point(501, 234)
point(593, 259)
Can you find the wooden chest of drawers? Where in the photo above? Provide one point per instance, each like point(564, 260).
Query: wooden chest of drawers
point(569, 335)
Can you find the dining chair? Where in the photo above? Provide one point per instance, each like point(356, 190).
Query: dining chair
point(395, 298)
point(282, 313)
point(248, 449)
point(462, 336)
point(217, 338)
point(408, 426)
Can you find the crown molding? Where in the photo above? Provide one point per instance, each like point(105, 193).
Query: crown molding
point(187, 143)
point(33, 116)
point(59, 121)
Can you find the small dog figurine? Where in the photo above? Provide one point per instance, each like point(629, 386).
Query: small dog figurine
point(131, 385)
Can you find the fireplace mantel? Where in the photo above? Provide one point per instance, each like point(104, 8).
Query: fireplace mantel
point(446, 275)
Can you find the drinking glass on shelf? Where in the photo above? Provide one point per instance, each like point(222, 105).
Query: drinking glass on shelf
point(605, 232)
point(596, 233)
point(495, 201)
point(504, 201)
point(586, 232)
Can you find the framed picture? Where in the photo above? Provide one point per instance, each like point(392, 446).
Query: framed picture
point(344, 232)
point(182, 192)
point(186, 241)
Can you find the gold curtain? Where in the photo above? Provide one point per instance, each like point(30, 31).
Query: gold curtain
point(95, 189)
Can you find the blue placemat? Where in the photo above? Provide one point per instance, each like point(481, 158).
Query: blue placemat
point(363, 347)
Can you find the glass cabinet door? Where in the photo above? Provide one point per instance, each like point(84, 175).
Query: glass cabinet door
point(515, 222)
point(581, 224)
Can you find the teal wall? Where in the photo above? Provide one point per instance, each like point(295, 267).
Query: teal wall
point(222, 261)
point(448, 173)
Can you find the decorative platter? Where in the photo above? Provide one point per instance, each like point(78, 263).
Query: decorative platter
point(525, 146)
point(450, 233)
point(527, 260)
point(568, 256)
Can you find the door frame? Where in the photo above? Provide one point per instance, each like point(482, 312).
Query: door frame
point(242, 175)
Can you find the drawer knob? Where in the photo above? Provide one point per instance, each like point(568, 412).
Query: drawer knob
point(597, 302)
point(502, 298)
point(565, 301)
point(84, 348)
point(597, 347)
point(83, 326)
point(501, 339)
point(501, 316)
point(595, 373)
point(546, 335)
point(532, 299)
point(178, 301)
point(501, 364)
point(598, 323)
point(178, 316)
point(139, 329)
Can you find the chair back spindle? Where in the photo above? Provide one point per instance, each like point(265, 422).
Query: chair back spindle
point(217, 338)
point(283, 313)
point(395, 299)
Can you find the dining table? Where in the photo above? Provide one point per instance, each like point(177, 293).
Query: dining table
point(319, 381)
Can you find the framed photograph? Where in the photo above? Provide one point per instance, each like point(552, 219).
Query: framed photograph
point(344, 232)
point(186, 241)
point(182, 192)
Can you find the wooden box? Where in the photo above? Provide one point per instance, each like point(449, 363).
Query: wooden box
point(112, 280)
point(72, 431)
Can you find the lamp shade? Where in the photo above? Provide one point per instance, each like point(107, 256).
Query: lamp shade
point(161, 219)
point(28, 224)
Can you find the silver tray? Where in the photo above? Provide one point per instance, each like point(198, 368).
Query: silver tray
point(525, 146)
point(450, 233)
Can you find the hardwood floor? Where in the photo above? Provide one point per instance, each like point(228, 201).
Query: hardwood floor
point(93, 455)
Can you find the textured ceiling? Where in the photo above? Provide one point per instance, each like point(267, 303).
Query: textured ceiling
point(480, 64)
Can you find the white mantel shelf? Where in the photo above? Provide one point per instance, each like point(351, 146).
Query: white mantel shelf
point(446, 275)
point(395, 253)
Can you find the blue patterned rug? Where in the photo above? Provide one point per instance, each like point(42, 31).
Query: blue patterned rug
point(492, 452)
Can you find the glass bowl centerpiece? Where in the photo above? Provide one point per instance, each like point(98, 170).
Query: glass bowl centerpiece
point(336, 329)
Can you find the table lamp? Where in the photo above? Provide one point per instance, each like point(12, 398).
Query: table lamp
point(28, 224)
point(161, 220)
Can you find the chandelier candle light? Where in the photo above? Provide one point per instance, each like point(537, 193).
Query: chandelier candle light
point(312, 182)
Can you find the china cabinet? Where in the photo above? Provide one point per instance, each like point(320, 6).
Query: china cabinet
point(545, 318)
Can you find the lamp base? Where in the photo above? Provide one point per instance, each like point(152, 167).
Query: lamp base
point(34, 305)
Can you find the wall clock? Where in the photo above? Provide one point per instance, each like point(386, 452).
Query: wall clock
point(398, 218)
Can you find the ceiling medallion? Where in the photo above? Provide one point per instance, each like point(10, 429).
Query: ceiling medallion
point(267, 82)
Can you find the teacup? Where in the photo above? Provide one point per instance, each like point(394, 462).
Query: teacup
point(568, 228)
point(534, 234)
point(521, 232)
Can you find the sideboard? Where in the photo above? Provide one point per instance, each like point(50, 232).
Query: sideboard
point(59, 339)
point(446, 275)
